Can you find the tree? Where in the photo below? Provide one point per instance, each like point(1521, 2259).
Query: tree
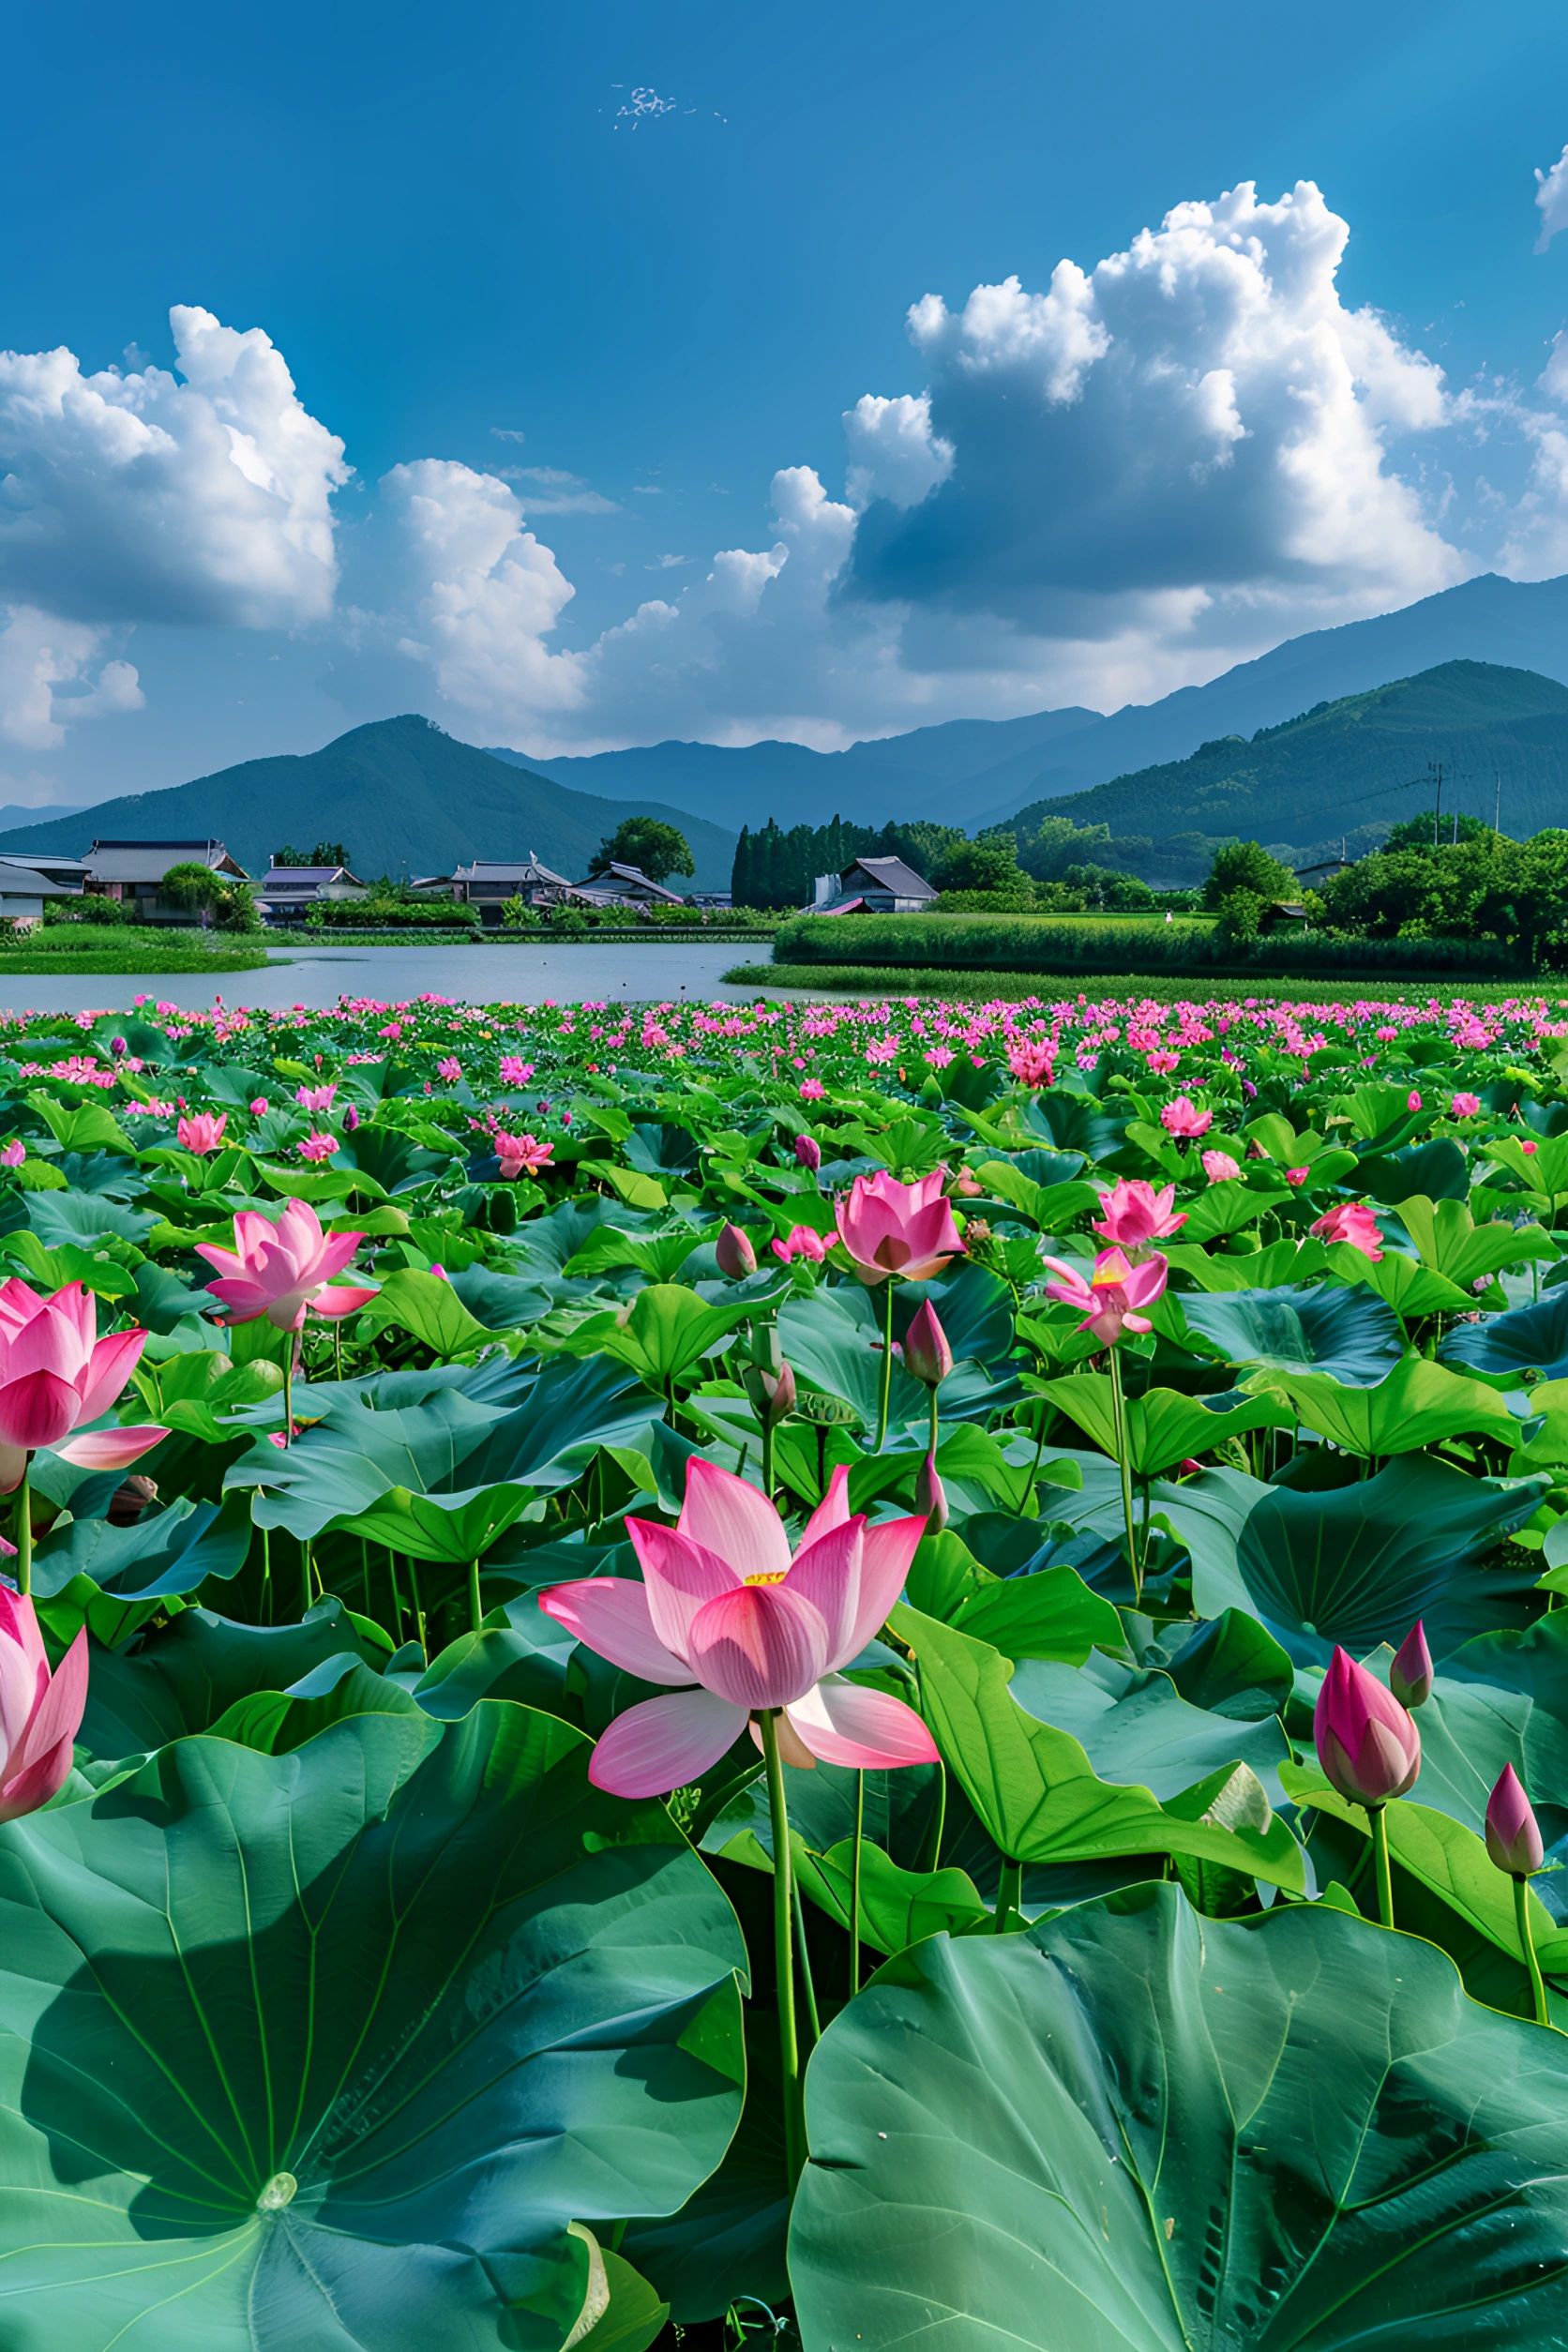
point(1057, 843)
point(1416, 833)
point(648, 843)
point(991, 865)
point(194, 886)
point(1247, 865)
point(740, 871)
point(324, 853)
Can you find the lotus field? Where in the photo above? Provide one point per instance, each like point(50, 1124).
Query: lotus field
point(863, 1677)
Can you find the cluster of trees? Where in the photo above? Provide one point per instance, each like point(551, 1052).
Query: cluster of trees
point(1481, 886)
point(324, 853)
point(655, 849)
point(777, 868)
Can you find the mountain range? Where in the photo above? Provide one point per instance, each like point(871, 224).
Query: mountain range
point(976, 771)
point(402, 796)
point(1501, 736)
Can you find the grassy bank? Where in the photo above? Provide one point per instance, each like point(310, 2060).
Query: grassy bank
point(108, 950)
point(875, 980)
point(665, 935)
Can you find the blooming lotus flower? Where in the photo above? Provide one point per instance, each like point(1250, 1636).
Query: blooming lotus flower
point(56, 1375)
point(1219, 1166)
point(517, 1152)
point(1367, 1743)
point(737, 1626)
point(201, 1132)
point(801, 1242)
point(13, 1154)
point(40, 1712)
point(258, 1106)
point(1513, 1833)
point(893, 1228)
point(736, 1258)
point(1135, 1213)
point(1465, 1106)
point(1353, 1223)
point(315, 1097)
point(1112, 1298)
point(1183, 1118)
point(928, 1351)
point(1410, 1676)
point(282, 1271)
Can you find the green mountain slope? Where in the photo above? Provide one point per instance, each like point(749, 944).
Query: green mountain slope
point(1362, 759)
point(403, 797)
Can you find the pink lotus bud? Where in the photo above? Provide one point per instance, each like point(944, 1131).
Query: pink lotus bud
point(808, 1154)
point(930, 1499)
point(117, 1047)
point(13, 1154)
point(736, 1258)
point(1367, 1743)
point(1513, 1833)
point(927, 1353)
point(1410, 1677)
point(350, 1119)
point(258, 1108)
point(40, 1712)
point(771, 1393)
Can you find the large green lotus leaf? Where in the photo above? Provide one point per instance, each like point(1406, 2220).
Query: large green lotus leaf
point(1357, 1564)
point(1419, 1404)
point(180, 1678)
point(427, 1306)
point(667, 1331)
point(329, 2049)
point(1310, 1327)
point(446, 1450)
point(1282, 1263)
point(1136, 1727)
point(518, 1653)
point(832, 1338)
point(168, 1551)
point(61, 1218)
point(1503, 1348)
point(1137, 2129)
point(1449, 1241)
point(1437, 1170)
point(1164, 1427)
point(1039, 1797)
point(1228, 1664)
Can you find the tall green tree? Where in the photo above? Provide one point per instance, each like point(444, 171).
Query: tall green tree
point(655, 849)
point(1247, 865)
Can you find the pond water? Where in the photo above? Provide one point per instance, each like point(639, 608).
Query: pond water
point(612, 970)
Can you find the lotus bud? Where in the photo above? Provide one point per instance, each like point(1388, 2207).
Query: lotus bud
point(1410, 1677)
point(117, 1047)
point(1367, 1743)
point(1513, 1833)
point(350, 1119)
point(735, 1255)
point(931, 1498)
point(927, 1353)
point(808, 1154)
point(771, 1393)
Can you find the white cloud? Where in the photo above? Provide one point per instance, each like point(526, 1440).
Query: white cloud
point(1551, 200)
point(131, 496)
point(51, 673)
point(550, 490)
point(892, 451)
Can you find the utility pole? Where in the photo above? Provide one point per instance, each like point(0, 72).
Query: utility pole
point(1434, 769)
point(1496, 805)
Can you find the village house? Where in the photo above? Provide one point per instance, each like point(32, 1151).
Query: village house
point(133, 871)
point(24, 888)
point(489, 884)
point(872, 885)
point(286, 894)
point(626, 887)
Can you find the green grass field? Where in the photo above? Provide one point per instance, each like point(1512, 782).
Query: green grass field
point(124, 949)
point(1050, 987)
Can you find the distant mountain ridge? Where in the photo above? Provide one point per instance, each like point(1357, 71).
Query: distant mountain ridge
point(13, 814)
point(403, 797)
point(1501, 735)
point(973, 771)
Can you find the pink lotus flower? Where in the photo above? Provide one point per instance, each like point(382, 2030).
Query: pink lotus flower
point(735, 1255)
point(1353, 1223)
point(282, 1271)
point(449, 1069)
point(1297, 1176)
point(1031, 1061)
point(894, 1228)
point(1219, 1166)
point(739, 1627)
point(56, 1375)
point(13, 1154)
point(201, 1132)
point(801, 1242)
point(1367, 1743)
point(1465, 1106)
point(1183, 1118)
point(518, 1152)
point(808, 1154)
point(1513, 1833)
point(1114, 1294)
point(1135, 1213)
point(40, 1712)
point(927, 1350)
point(258, 1106)
point(1412, 1100)
point(317, 1147)
point(811, 1089)
point(315, 1098)
point(1411, 1674)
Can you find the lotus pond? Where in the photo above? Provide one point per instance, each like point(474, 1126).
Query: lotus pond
point(873, 1675)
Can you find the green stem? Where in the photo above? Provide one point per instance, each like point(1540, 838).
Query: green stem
point(1376, 1816)
point(783, 1962)
point(418, 1606)
point(813, 2022)
point(886, 1397)
point(767, 1454)
point(1119, 1419)
point(23, 1537)
point(475, 1606)
point(307, 1595)
point(1527, 1940)
point(397, 1597)
point(288, 1397)
point(1008, 1894)
point(854, 1883)
point(936, 1428)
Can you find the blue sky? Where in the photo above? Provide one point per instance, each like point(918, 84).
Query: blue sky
point(552, 340)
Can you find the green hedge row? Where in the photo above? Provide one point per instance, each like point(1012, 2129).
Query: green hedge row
point(921, 942)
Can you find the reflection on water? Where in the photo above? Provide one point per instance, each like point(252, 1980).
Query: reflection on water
point(615, 970)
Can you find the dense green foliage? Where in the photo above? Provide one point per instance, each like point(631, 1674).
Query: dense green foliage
point(945, 942)
point(776, 869)
point(655, 849)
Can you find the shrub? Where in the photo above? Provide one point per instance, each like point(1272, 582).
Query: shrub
point(88, 911)
point(377, 914)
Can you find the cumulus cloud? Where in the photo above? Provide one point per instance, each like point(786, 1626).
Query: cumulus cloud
point(144, 495)
point(53, 673)
point(1551, 200)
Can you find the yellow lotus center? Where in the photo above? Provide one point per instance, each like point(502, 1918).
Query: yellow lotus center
point(768, 1575)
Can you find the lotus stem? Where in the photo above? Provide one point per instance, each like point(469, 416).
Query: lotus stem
point(1526, 1942)
point(288, 1398)
point(1378, 1815)
point(813, 2022)
point(783, 1952)
point(475, 1606)
point(767, 1454)
point(23, 1537)
point(885, 1399)
point(1119, 1422)
point(854, 1883)
point(1009, 1894)
point(306, 1582)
